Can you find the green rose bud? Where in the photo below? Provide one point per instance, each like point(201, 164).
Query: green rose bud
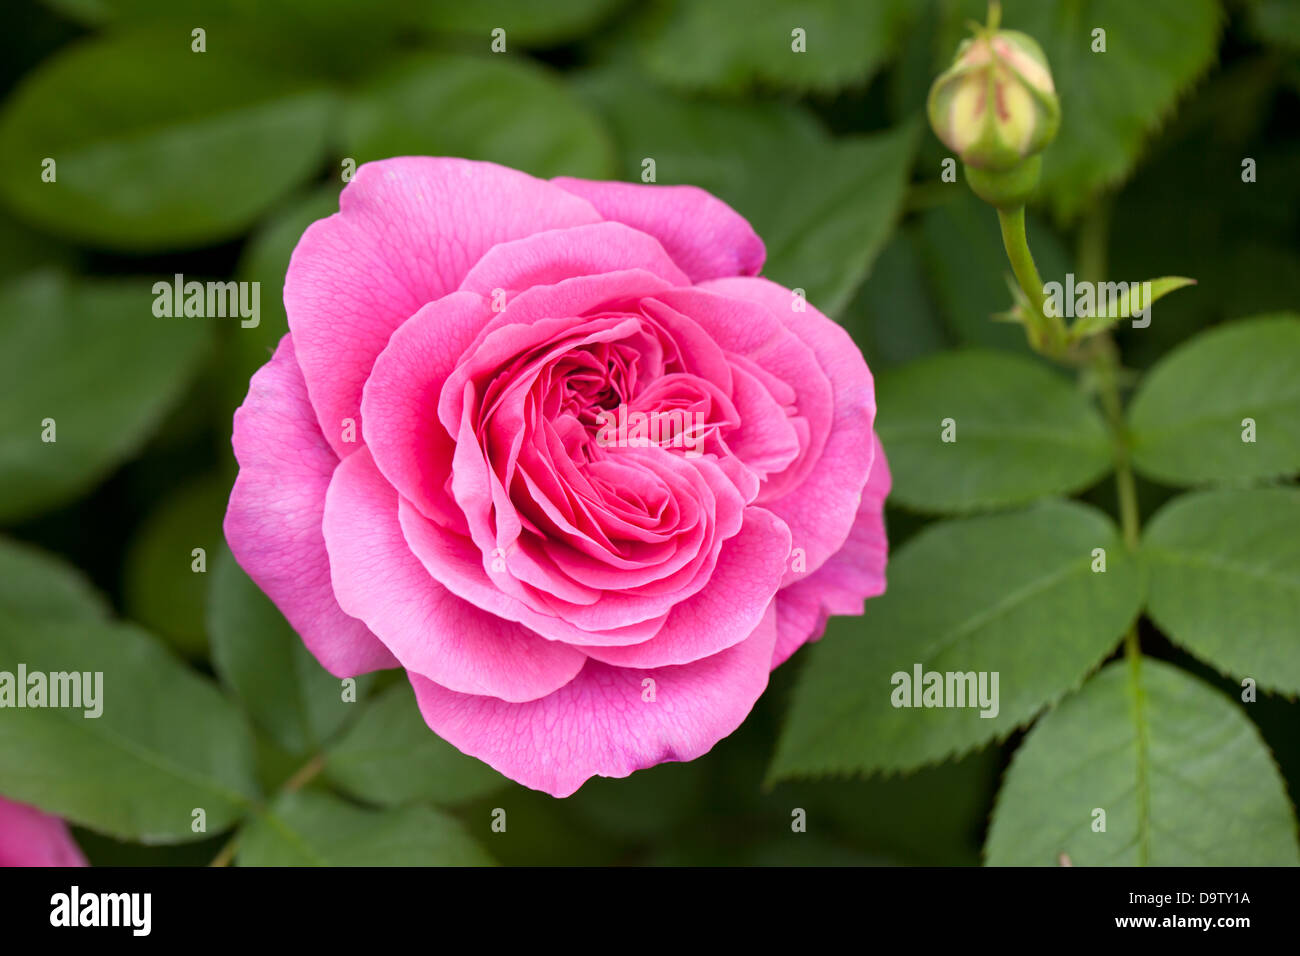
point(996, 105)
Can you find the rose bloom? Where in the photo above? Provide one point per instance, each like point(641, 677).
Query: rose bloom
point(421, 482)
point(31, 837)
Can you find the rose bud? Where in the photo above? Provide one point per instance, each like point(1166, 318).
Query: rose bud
point(996, 107)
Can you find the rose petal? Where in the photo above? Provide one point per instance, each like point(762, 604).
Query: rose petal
point(600, 723)
point(407, 232)
point(706, 237)
point(457, 563)
point(822, 509)
point(841, 585)
point(758, 342)
point(400, 402)
point(31, 837)
point(429, 629)
point(744, 581)
point(511, 332)
point(558, 254)
point(273, 521)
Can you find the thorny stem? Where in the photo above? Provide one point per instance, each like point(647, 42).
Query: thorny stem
point(301, 777)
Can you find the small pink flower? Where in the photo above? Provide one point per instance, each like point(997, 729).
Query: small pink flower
point(30, 837)
point(424, 483)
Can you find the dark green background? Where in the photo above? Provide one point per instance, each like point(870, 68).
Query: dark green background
point(829, 158)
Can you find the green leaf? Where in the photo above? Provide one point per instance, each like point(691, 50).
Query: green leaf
point(892, 318)
point(823, 207)
point(260, 657)
point(1021, 432)
point(508, 111)
point(339, 39)
point(316, 829)
point(186, 152)
point(825, 226)
point(1183, 777)
point(726, 46)
point(23, 250)
point(1111, 102)
point(1189, 417)
point(1224, 572)
point(1011, 594)
point(163, 591)
point(1129, 301)
point(526, 22)
point(34, 584)
point(165, 744)
point(94, 358)
point(390, 756)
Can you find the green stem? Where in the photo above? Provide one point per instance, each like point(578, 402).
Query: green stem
point(1048, 332)
point(1142, 792)
point(1106, 369)
point(301, 777)
point(227, 852)
point(304, 774)
point(1050, 336)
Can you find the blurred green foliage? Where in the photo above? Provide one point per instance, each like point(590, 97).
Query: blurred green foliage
point(171, 161)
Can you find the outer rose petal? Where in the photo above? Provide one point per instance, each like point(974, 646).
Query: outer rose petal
point(598, 724)
point(31, 837)
point(407, 232)
point(822, 509)
point(706, 237)
point(273, 521)
point(841, 585)
point(550, 257)
point(432, 632)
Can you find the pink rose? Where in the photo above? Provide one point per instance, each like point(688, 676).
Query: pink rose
point(551, 448)
point(31, 837)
